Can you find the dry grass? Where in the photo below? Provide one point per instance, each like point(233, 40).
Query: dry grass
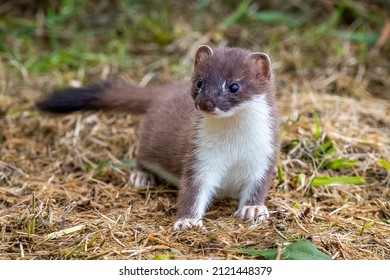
point(64, 191)
point(76, 168)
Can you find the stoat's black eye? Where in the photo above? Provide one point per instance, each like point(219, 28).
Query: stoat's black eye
point(233, 88)
point(199, 84)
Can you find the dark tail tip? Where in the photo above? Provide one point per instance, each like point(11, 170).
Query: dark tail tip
point(72, 99)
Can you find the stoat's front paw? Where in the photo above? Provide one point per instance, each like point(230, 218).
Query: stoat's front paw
point(141, 179)
point(258, 213)
point(187, 223)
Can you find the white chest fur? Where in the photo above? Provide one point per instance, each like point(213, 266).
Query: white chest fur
point(233, 153)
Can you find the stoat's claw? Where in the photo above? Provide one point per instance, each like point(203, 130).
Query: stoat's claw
point(141, 179)
point(187, 223)
point(258, 213)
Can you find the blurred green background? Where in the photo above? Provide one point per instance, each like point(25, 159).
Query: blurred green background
point(95, 39)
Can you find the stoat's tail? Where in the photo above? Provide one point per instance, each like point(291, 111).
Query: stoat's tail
point(114, 97)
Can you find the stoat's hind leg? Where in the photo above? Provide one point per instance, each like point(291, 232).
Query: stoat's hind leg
point(141, 179)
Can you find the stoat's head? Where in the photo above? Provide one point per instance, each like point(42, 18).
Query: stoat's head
point(225, 79)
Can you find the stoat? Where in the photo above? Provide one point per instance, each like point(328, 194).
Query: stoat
point(217, 135)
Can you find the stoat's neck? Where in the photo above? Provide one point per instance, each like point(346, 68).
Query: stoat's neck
point(253, 117)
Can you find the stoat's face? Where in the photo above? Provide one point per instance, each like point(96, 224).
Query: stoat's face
point(224, 80)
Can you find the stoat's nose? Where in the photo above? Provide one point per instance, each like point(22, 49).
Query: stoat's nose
point(206, 105)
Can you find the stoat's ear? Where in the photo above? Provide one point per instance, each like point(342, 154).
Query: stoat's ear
point(262, 62)
point(203, 52)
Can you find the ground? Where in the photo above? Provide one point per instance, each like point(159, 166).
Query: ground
point(64, 190)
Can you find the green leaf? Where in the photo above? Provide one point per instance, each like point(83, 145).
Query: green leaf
point(269, 254)
point(340, 164)
point(303, 250)
point(300, 250)
point(162, 257)
point(323, 181)
point(175, 251)
point(383, 163)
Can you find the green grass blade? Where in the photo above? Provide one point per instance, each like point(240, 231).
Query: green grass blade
point(317, 133)
point(293, 145)
point(301, 179)
point(331, 181)
point(384, 163)
point(340, 164)
point(325, 149)
point(280, 172)
point(236, 16)
point(366, 226)
point(100, 167)
point(276, 17)
point(130, 163)
point(360, 37)
point(65, 231)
